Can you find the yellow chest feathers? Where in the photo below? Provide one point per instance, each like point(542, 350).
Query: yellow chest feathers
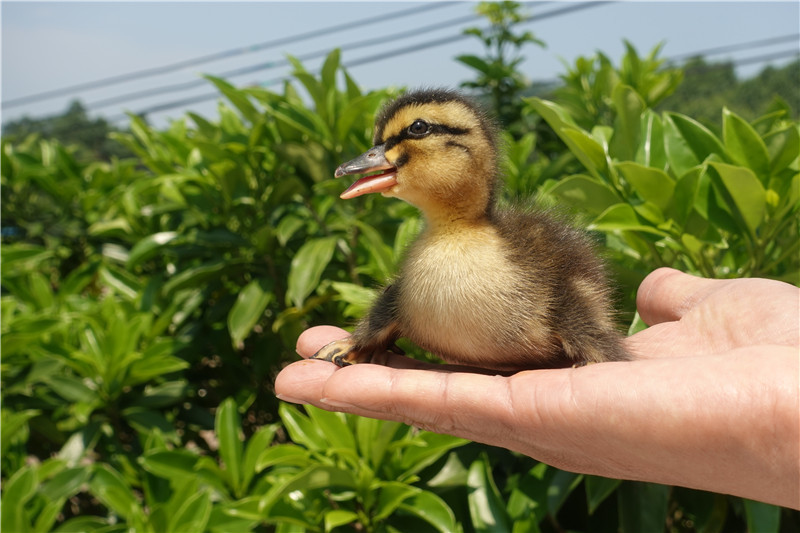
point(461, 296)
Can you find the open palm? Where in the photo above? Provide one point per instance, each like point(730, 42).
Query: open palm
point(710, 402)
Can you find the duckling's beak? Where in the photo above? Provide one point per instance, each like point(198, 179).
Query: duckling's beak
point(370, 161)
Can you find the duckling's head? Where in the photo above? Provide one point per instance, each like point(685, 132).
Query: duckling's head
point(437, 150)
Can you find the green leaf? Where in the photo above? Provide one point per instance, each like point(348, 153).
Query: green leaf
point(391, 494)
point(14, 425)
point(228, 427)
point(108, 486)
point(374, 437)
point(17, 490)
point(307, 267)
point(642, 506)
point(169, 464)
point(149, 247)
point(319, 476)
point(379, 252)
point(329, 68)
point(745, 145)
point(762, 517)
point(598, 489)
point(688, 143)
point(629, 107)
point(651, 151)
point(622, 217)
point(238, 98)
point(22, 258)
point(333, 427)
point(280, 454)
point(300, 428)
point(163, 394)
point(248, 309)
point(561, 486)
point(193, 513)
point(288, 226)
point(744, 194)
point(256, 445)
point(652, 185)
point(486, 506)
point(195, 276)
point(148, 368)
point(432, 447)
point(66, 483)
point(357, 297)
point(339, 517)
point(586, 149)
point(474, 62)
point(585, 192)
point(686, 188)
point(431, 508)
point(555, 115)
point(783, 147)
point(146, 421)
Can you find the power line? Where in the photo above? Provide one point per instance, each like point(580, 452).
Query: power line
point(794, 37)
point(278, 63)
point(376, 57)
point(405, 50)
point(210, 96)
point(155, 71)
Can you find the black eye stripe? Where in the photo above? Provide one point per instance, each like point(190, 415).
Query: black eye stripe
point(435, 129)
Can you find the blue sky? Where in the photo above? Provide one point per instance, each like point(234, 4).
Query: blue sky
point(51, 45)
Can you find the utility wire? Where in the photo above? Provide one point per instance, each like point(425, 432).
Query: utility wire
point(372, 58)
point(794, 37)
point(364, 43)
point(210, 96)
point(146, 73)
point(405, 50)
point(279, 63)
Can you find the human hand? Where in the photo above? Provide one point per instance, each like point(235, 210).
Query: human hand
point(710, 402)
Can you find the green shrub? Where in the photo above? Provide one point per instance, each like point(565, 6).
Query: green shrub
point(148, 303)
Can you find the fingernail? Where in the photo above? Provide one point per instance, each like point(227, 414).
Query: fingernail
point(336, 404)
point(289, 399)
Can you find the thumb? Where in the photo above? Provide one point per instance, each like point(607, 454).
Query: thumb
point(667, 294)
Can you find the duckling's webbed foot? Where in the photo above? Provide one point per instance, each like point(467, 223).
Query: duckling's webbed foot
point(342, 353)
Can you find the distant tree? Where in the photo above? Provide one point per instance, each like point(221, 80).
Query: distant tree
point(498, 78)
point(708, 87)
point(73, 127)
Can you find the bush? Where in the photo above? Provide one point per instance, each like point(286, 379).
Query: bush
point(148, 303)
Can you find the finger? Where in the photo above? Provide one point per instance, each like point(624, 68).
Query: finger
point(472, 406)
point(312, 339)
point(667, 294)
point(303, 381)
point(315, 338)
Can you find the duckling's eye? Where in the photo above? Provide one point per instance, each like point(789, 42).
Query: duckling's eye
point(419, 127)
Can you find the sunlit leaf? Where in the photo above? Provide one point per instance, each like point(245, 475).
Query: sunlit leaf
point(486, 506)
point(307, 267)
point(745, 145)
point(250, 304)
point(228, 427)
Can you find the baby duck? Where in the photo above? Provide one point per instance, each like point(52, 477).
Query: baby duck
point(508, 289)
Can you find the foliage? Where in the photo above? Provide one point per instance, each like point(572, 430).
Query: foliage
point(74, 127)
point(588, 89)
point(498, 76)
point(670, 192)
point(709, 87)
point(148, 302)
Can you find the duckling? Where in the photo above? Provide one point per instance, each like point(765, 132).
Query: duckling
point(503, 289)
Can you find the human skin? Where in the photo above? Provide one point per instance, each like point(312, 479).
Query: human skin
point(711, 400)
